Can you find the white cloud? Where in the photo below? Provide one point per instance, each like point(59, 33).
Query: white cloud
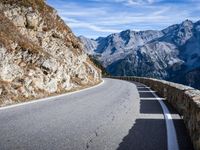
point(108, 18)
point(93, 27)
point(130, 2)
point(79, 24)
point(137, 2)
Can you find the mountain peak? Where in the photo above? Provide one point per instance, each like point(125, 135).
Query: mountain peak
point(187, 23)
point(126, 31)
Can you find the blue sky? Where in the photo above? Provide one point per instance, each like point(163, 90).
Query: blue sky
point(94, 18)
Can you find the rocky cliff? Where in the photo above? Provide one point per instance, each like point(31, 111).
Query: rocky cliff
point(39, 54)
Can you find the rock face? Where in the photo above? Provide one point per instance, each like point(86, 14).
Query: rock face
point(172, 54)
point(39, 55)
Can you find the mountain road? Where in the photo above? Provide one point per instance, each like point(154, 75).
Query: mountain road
point(116, 115)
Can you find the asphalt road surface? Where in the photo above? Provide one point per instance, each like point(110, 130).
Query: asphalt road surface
point(117, 115)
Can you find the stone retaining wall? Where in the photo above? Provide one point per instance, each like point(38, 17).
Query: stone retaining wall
point(184, 99)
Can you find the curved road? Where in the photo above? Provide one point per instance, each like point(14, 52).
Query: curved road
point(117, 115)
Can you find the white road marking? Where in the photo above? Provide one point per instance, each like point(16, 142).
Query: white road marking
point(146, 91)
point(159, 116)
point(150, 98)
point(51, 97)
point(143, 87)
point(172, 141)
point(151, 116)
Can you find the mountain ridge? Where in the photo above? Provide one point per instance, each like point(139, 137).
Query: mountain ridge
point(164, 54)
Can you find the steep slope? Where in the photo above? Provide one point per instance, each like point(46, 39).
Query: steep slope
point(99, 65)
point(39, 55)
point(152, 60)
point(168, 54)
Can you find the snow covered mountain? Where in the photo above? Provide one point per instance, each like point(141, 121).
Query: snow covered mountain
point(172, 54)
point(118, 46)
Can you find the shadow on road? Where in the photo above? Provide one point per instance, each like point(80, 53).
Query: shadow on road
point(146, 95)
point(146, 134)
point(150, 107)
point(149, 133)
point(184, 140)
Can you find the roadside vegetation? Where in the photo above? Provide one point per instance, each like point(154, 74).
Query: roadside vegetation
point(98, 64)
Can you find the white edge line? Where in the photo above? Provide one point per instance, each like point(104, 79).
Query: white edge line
point(51, 97)
point(143, 87)
point(172, 141)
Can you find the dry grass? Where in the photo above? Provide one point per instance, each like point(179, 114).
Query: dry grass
point(9, 34)
point(36, 4)
point(51, 22)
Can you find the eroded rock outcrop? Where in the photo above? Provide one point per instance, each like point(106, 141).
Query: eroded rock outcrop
point(39, 54)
